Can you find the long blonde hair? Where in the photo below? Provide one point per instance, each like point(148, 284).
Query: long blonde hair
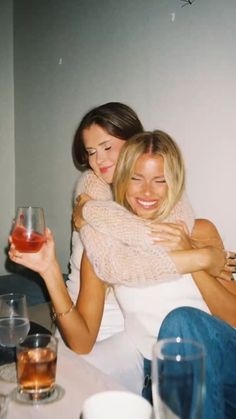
point(152, 143)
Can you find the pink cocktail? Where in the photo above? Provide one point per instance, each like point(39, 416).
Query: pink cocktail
point(28, 234)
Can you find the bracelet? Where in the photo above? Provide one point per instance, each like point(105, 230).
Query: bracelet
point(62, 314)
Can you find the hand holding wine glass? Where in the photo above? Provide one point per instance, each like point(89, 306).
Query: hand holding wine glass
point(28, 233)
point(39, 262)
point(31, 244)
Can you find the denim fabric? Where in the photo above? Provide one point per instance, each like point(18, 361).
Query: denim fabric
point(219, 340)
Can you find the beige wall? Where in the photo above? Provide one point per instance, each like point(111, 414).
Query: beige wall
point(7, 152)
point(176, 66)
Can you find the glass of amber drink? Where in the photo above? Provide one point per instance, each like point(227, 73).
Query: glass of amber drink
point(28, 232)
point(36, 360)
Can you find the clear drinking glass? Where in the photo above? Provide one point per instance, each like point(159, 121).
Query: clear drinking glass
point(14, 320)
point(36, 360)
point(28, 232)
point(178, 384)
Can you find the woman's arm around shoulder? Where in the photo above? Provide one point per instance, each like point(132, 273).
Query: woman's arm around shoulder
point(88, 187)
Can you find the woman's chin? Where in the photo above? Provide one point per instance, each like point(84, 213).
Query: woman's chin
point(107, 178)
point(146, 214)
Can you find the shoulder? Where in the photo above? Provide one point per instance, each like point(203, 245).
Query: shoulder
point(81, 182)
point(204, 224)
point(90, 184)
point(206, 230)
point(84, 178)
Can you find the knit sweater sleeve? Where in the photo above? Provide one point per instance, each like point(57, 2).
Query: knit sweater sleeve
point(120, 249)
point(117, 263)
point(93, 186)
point(113, 219)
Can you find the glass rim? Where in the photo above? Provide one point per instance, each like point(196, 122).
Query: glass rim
point(23, 343)
point(13, 295)
point(41, 335)
point(28, 206)
point(157, 349)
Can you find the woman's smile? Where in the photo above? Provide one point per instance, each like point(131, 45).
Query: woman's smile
point(105, 169)
point(148, 204)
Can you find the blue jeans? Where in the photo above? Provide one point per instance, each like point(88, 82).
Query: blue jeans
point(219, 340)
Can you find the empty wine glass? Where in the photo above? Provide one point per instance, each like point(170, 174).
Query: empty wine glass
point(178, 383)
point(28, 232)
point(14, 320)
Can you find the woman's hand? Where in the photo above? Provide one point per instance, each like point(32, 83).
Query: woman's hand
point(217, 262)
point(229, 267)
point(171, 236)
point(39, 262)
point(77, 215)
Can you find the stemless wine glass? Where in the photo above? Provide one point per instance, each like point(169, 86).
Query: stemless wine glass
point(28, 233)
point(14, 320)
point(178, 384)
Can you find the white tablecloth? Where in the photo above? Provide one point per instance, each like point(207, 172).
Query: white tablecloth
point(79, 380)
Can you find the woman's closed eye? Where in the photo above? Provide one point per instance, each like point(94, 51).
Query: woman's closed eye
point(160, 180)
point(91, 153)
point(136, 178)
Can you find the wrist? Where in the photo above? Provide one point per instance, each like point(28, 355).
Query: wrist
point(51, 271)
point(205, 259)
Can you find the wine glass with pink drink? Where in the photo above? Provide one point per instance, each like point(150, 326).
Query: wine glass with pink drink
point(28, 233)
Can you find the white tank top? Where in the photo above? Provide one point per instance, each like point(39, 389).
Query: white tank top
point(145, 308)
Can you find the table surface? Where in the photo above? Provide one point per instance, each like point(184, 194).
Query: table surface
point(77, 377)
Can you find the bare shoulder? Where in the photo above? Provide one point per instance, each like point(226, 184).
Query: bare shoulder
point(205, 230)
point(202, 224)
